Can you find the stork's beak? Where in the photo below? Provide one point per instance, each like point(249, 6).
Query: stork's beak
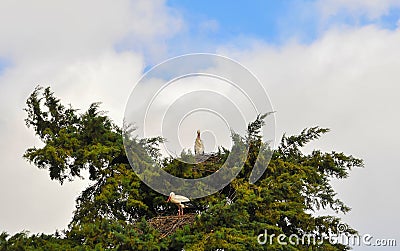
point(169, 198)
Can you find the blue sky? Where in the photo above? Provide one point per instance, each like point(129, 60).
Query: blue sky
point(271, 21)
point(260, 19)
point(235, 17)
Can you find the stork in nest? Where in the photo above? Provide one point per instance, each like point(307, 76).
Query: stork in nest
point(198, 145)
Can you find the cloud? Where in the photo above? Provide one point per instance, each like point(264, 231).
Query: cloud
point(370, 8)
point(209, 26)
point(64, 30)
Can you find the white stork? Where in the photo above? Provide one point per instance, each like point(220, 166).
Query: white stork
point(178, 200)
point(198, 145)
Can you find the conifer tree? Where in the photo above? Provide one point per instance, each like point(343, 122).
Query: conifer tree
point(113, 212)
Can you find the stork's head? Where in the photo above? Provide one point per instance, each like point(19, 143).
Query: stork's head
point(198, 133)
point(172, 194)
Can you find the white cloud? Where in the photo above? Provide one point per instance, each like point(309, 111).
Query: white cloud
point(209, 26)
point(371, 8)
point(66, 29)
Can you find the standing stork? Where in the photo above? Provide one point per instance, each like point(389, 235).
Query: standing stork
point(178, 200)
point(198, 145)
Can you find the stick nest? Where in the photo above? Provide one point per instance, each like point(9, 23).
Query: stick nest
point(167, 225)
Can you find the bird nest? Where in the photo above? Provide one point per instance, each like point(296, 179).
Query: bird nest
point(209, 157)
point(167, 225)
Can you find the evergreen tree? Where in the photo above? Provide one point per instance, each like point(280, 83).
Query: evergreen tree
point(112, 213)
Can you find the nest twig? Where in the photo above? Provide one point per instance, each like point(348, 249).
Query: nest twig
point(167, 225)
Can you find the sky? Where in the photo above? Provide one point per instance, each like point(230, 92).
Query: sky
point(332, 63)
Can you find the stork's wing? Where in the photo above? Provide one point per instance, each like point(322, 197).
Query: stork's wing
point(181, 198)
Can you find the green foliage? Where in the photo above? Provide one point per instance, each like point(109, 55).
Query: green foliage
point(111, 213)
point(73, 142)
point(40, 242)
point(115, 235)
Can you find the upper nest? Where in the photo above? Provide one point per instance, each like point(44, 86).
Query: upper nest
point(211, 157)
